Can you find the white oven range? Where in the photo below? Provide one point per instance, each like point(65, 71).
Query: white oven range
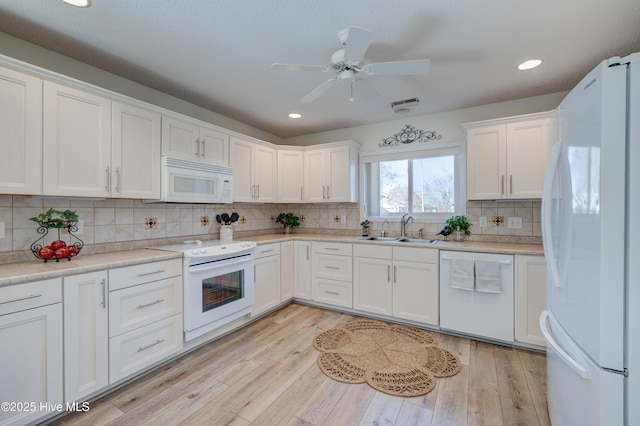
point(218, 281)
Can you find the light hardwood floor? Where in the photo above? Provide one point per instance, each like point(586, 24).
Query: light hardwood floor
point(266, 374)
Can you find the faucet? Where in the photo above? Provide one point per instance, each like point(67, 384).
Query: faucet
point(403, 224)
point(420, 232)
point(382, 232)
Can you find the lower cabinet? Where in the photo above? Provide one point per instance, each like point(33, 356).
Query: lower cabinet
point(531, 298)
point(302, 270)
point(267, 278)
point(31, 354)
point(286, 271)
point(332, 267)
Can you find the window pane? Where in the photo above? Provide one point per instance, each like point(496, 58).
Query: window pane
point(433, 185)
point(394, 187)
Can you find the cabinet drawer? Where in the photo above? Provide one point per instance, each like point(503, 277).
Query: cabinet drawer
point(332, 248)
point(333, 267)
point(144, 273)
point(140, 305)
point(133, 351)
point(373, 251)
point(336, 293)
point(30, 295)
point(415, 254)
point(266, 250)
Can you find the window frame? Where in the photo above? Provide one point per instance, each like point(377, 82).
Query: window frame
point(457, 149)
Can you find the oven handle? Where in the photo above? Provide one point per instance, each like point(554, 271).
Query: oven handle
point(217, 265)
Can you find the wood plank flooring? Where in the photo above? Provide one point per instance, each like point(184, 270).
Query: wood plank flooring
point(266, 374)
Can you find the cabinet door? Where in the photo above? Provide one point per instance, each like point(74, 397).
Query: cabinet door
point(31, 361)
point(180, 139)
point(214, 147)
point(77, 142)
point(135, 152)
point(241, 161)
point(290, 176)
point(315, 175)
point(21, 135)
point(372, 288)
point(302, 270)
point(286, 270)
point(86, 334)
point(266, 294)
point(339, 185)
point(415, 291)
point(486, 162)
point(266, 178)
point(526, 158)
point(531, 298)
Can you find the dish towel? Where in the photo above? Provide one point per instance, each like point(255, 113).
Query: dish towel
point(462, 274)
point(488, 278)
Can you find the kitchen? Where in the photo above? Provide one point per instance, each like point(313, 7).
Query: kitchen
point(115, 223)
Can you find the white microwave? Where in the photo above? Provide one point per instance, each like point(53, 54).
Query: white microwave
point(186, 181)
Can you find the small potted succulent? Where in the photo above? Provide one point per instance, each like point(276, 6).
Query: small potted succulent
point(58, 249)
point(289, 220)
point(459, 226)
point(366, 224)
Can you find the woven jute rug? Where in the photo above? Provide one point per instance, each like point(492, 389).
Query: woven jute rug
point(394, 359)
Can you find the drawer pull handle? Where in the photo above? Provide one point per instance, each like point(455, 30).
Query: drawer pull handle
point(159, 271)
point(266, 251)
point(32, 296)
point(332, 248)
point(332, 267)
point(332, 292)
point(150, 304)
point(157, 342)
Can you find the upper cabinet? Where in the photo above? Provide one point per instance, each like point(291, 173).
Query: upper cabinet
point(331, 173)
point(507, 158)
point(194, 141)
point(21, 135)
point(290, 175)
point(254, 171)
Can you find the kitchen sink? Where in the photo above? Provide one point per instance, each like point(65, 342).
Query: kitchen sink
point(400, 240)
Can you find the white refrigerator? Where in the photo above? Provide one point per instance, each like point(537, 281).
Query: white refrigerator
point(591, 235)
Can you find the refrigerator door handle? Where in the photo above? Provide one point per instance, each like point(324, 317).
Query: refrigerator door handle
point(579, 369)
point(547, 193)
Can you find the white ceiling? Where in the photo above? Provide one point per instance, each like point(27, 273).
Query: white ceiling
point(217, 53)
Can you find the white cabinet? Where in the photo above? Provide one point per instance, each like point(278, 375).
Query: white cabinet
point(290, 175)
point(21, 133)
point(331, 173)
point(135, 151)
point(195, 141)
point(76, 142)
point(286, 271)
point(254, 171)
point(302, 270)
point(507, 158)
point(267, 278)
point(86, 335)
point(396, 281)
point(332, 267)
point(531, 298)
point(31, 355)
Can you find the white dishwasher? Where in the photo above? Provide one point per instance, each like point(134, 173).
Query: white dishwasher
point(476, 294)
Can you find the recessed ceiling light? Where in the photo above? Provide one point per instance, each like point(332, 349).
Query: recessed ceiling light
point(78, 3)
point(295, 115)
point(529, 64)
point(402, 110)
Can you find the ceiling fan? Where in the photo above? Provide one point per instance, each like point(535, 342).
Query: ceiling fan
point(347, 63)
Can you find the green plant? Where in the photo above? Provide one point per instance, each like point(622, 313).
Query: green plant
point(456, 222)
point(288, 219)
point(365, 224)
point(55, 218)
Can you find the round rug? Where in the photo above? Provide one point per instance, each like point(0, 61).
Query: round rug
point(394, 359)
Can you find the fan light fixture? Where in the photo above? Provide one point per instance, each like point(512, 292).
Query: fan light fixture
point(529, 64)
point(78, 3)
point(295, 115)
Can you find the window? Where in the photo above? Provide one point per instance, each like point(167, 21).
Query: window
point(427, 184)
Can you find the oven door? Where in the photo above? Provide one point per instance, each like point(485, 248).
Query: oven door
point(216, 293)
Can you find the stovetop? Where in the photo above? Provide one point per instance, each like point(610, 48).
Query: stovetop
point(211, 249)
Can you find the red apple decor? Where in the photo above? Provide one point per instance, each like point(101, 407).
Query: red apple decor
point(57, 249)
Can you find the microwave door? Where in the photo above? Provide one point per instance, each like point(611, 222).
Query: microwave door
point(192, 187)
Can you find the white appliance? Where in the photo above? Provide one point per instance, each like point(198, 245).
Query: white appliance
point(591, 235)
point(184, 181)
point(218, 280)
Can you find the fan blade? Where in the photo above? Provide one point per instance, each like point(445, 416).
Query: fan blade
point(357, 43)
point(411, 67)
point(318, 91)
point(296, 67)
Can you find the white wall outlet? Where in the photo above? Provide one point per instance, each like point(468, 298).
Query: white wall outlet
point(1, 229)
point(514, 222)
point(343, 219)
point(483, 221)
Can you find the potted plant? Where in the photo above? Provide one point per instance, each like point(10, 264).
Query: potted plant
point(58, 249)
point(459, 225)
point(289, 220)
point(365, 227)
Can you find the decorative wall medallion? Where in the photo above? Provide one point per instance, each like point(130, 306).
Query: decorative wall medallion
point(409, 135)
